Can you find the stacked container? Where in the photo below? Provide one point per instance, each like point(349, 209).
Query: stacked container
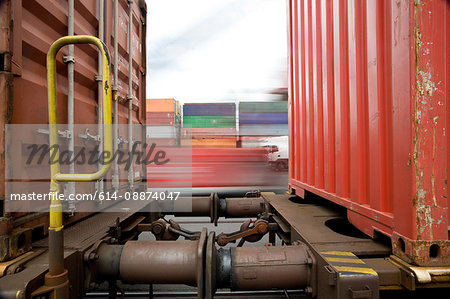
point(163, 121)
point(209, 125)
point(261, 119)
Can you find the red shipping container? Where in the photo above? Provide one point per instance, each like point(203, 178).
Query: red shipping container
point(369, 88)
point(161, 118)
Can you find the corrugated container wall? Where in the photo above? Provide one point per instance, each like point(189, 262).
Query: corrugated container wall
point(28, 28)
point(369, 116)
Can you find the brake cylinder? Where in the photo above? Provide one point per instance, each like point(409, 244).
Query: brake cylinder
point(263, 268)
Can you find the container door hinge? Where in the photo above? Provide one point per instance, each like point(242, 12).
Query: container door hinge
point(62, 134)
point(87, 136)
point(121, 141)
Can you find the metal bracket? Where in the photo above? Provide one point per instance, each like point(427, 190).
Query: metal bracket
point(115, 182)
point(249, 233)
point(175, 228)
point(88, 136)
point(121, 140)
point(68, 59)
point(168, 230)
point(62, 134)
point(254, 193)
point(71, 205)
point(98, 78)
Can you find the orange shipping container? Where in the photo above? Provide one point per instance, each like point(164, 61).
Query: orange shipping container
point(163, 105)
point(209, 142)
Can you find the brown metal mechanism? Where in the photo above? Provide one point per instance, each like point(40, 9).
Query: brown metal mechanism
point(214, 207)
point(317, 259)
point(152, 262)
point(243, 207)
point(249, 231)
point(168, 230)
point(199, 263)
point(15, 243)
point(338, 272)
point(159, 262)
point(264, 268)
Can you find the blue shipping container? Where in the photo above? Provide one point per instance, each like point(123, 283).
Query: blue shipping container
point(263, 118)
point(228, 109)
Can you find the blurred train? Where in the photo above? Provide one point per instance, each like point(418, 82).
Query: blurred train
point(231, 145)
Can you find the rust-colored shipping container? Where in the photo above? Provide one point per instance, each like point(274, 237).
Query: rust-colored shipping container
point(162, 118)
point(209, 142)
point(369, 117)
point(27, 30)
point(163, 105)
point(208, 132)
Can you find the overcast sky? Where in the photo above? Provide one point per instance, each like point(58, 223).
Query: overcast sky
point(215, 50)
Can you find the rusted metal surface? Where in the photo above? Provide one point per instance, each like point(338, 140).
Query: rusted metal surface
point(337, 268)
point(199, 263)
point(248, 231)
point(308, 221)
point(244, 207)
point(269, 267)
point(6, 84)
point(312, 218)
point(108, 264)
point(215, 207)
point(25, 37)
point(159, 262)
point(368, 114)
point(201, 206)
point(77, 239)
point(10, 247)
point(151, 262)
point(15, 243)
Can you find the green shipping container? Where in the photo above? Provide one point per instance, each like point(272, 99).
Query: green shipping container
point(209, 121)
point(261, 107)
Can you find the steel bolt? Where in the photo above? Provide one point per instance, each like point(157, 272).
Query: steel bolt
point(157, 229)
point(220, 242)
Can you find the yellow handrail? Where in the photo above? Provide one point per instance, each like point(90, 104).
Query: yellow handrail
point(56, 175)
point(57, 276)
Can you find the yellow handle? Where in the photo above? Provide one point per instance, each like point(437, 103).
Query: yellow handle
point(56, 176)
point(106, 83)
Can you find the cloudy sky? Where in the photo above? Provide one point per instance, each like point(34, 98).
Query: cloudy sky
point(216, 50)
